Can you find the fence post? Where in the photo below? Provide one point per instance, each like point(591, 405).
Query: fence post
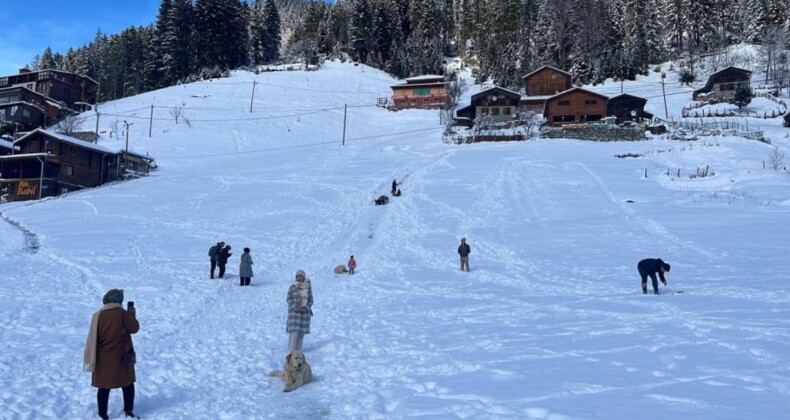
point(150, 121)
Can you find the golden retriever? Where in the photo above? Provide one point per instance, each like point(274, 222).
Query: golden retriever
point(296, 371)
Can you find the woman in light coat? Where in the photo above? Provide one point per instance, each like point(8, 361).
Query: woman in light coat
point(300, 310)
point(245, 268)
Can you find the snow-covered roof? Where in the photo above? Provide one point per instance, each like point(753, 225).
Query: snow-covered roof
point(20, 103)
point(535, 98)
point(7, 144)
point(546, 67)
point(498, 88)
point(70, 140)
point(413, 85)
point(24, 156)
point(424, 77)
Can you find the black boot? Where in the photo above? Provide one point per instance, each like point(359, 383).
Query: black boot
point(130, 413)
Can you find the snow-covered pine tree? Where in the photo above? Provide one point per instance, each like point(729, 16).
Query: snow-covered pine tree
point(360, 29)
point(271, 30)
point(177, 42)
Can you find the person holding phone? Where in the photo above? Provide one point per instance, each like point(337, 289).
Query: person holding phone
point(109, 351)
point(300, 310)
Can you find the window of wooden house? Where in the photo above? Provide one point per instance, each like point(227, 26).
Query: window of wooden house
point(483, 111)
point(43, 75)
point(3, 81)
point(506, 111)
point(32, 147)
point(495, 111)
point(564, 103)
point(69, 169)
point(5, 99)
point(553, 76)
point(72, 150)
point(29, 86)
point(421, 91)
point(590, 102)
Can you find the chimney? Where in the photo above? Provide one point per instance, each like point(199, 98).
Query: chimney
point(24, 70)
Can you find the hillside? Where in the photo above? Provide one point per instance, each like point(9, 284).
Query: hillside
point(549, 324)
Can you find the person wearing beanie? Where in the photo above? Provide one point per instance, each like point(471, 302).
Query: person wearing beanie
point(107, 352)
point(245, 268)
point(300, 310)
point(222, 259)
point(649, 267)
point(464, 250)
point(213, 254)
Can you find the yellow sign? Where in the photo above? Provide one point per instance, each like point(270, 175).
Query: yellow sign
point(26, 188)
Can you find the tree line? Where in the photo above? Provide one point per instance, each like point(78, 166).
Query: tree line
point(503, 39)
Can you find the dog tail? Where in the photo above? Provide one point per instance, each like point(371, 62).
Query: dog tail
point(277, 373)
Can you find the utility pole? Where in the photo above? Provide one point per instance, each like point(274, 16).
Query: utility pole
point(150, 121)
point(127, 144)
point(253, 94)
point(97, 122)
point(663, 76)
point(345, 110)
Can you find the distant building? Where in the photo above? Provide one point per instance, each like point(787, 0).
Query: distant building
point(541, 84)
point(625, 107)
point(575, 105)
point(495, 105)
point(425, 92)
point(33, 99)
point(46, 164)
point(721, 85)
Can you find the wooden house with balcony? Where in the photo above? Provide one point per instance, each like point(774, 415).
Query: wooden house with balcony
point(721, 85)
point(78, 92)
point(424, 92)
point(575, 105)
point(542, 84)
point(494, 106)
point(49, 164)
point(27, 109)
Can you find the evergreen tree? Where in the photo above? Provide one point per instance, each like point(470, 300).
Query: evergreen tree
point(177, 42)
point(47, 60)
point(257, 32)
point(271, 30)
point(154, 77)
point(221, 33)
point(360, 29)
point(743, 95)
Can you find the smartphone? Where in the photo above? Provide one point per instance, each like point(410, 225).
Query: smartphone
point(129, 305)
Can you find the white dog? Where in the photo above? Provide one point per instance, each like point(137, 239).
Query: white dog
point(296, 371)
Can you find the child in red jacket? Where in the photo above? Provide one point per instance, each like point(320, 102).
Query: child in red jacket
point(352, 264)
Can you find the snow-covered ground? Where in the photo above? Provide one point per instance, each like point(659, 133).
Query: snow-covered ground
point(550, 323)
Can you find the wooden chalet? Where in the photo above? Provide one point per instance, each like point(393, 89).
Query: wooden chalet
point(495, 105)
point(575, 105)
point(78, 92)
point(721, 84)
point(625, 107)
point(425, 92)
point(49, 164)
point(28, 109)
point(541, 84)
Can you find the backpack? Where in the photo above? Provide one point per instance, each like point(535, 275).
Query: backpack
point(212, 251)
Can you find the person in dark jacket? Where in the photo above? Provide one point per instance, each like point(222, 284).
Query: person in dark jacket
point(213, 253)
point(464, 250)
point(394, 186)
point(109, 339)
point(222, 259)
point(649, 267)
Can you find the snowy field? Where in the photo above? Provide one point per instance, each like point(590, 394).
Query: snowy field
point(549, 324)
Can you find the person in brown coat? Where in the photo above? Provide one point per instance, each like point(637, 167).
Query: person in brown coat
point(108, 351)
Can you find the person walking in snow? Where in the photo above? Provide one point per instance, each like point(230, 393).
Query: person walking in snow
point(464, 250)
point(106, 353)
point(222, 259)
point(394, 186)
point(300, 310)
point(649, 267)
point(245, 268)
point(352, 264)
point(213, 253)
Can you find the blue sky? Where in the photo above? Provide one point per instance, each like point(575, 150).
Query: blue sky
point(60, 24)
